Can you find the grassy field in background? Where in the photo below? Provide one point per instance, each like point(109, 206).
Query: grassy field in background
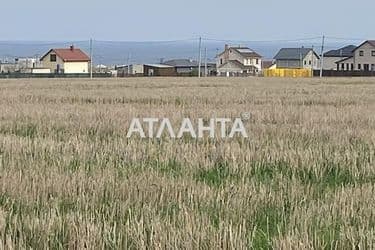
point(305, 178)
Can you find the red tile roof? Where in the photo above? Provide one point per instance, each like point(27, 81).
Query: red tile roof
point(70, 55)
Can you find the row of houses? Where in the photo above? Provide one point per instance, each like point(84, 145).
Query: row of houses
point(233, 61)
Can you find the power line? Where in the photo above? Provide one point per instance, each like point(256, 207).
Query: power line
point(262, 41)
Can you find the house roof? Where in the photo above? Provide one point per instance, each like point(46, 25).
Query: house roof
point(346, 51)
point(293, 53)
point(237, 64)
point(155, 65)
point(267, 64)
point(244, 51)
point(371, 42)
point(182, 63)
point(344, 59)
point(69, 55)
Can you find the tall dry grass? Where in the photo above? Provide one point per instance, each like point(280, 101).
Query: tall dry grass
point(69, 177)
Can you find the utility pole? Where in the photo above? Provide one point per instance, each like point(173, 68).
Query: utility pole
point(322, 58)
point(200, 57)
point(91, 54)
point(205, 62)
point(128, 63)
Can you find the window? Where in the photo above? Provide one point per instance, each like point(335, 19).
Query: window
point(304, 62)
point(343, 66)
point(352, 66)
point(361, 53)
point(221, 61)
point(359, 67)
point(347, 66)
point(373, 53)
point(310, 62)
point(257, 61)
point(53, 58)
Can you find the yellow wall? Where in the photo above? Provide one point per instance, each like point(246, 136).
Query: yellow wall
point(68, 67)
point(76, 67)
point(288, 73)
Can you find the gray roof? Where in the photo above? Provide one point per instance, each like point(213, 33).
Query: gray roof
point(292, 53)
point(182, 63)
point(342, 52)
point(244, 51)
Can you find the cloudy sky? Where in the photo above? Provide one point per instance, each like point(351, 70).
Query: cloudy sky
point(153, 20)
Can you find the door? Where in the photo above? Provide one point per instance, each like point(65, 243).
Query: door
point(366, 67)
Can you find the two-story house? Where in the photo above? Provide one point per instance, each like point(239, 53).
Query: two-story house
point(364, 56)
point(297, 58)
point(235, 61)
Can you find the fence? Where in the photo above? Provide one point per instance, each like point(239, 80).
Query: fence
point(15, 75)
point(339, 73)
point(288, 73)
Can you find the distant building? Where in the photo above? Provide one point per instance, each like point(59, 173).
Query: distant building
point(7, 67)
point(187, 67)
point(234, 61)
point(145, 70)
point(297, 58)
point(68, 61)
point(333, 56)
point(26, 63)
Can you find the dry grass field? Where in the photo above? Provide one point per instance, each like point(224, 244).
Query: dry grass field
point(304, 179)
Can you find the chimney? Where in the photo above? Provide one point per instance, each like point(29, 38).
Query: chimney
point(71, 47)
point(226, 47)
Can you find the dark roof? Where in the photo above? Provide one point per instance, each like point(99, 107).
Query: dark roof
point(342, 52)
point(371, 42)
point(293, 53)
point(245, 51)
point(266, 64)
point(69, 55)
point(180, 63)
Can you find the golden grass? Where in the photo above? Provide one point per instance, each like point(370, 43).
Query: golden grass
point(69, 177)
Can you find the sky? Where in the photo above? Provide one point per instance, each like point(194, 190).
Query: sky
point(157, 20)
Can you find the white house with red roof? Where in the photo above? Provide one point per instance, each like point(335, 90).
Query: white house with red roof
point(68, 61)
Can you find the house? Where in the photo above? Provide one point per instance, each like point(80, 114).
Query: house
point(361, 58)
point(234, 61)
point(188, 67)
point(145, 70)
point(297, 58)
point(68, 61)
point(364, 56)
point(333, 56)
